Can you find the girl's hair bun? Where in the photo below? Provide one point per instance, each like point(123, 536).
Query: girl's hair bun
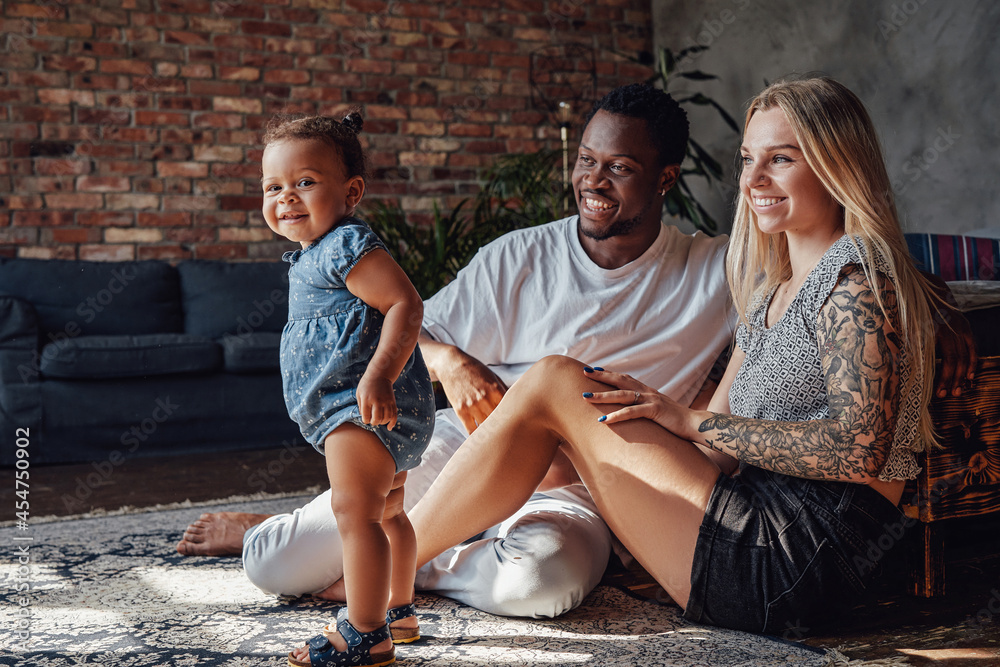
point(353, 121)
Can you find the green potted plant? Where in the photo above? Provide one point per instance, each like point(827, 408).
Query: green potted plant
point(518, 191)
point(680, 201)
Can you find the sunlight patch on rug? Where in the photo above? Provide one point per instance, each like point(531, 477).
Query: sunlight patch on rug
point(113, 591)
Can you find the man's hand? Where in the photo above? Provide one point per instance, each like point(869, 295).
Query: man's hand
point(954, 344)
point(472, 388)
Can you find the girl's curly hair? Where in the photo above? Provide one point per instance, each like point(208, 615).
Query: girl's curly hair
point(341, 135)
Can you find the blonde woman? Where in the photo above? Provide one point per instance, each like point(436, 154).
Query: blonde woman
point(758, 513)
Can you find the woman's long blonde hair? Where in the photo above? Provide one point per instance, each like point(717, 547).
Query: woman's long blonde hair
point(840, 144)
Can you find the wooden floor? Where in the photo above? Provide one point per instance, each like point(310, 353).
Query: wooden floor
point(962, 629)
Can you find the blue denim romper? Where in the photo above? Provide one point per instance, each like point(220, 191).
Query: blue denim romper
point(330, 338)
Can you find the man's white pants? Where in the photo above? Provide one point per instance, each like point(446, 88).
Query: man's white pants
point(541, 562)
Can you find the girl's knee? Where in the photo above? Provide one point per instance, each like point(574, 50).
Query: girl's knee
point(357, 504)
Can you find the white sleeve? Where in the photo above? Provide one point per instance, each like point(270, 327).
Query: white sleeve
point(464, 312)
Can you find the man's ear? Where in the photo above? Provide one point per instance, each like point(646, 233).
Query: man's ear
point(355, 191)
point(668, 177)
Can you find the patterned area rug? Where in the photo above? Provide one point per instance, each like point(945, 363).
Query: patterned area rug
point(112, 591)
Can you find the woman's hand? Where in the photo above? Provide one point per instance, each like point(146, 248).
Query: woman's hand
point(376, 401)
point(639, 401)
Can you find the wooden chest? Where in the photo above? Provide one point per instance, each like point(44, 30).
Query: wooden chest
point(961, 479)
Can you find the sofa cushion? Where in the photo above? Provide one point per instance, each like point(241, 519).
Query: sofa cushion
point(251, 353)
point(78, 298)
point(93, 357)
point(223, 298)
point(956, 257)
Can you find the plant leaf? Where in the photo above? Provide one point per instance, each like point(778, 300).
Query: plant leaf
point(710, 163)
point(698, 48)
point(667, 63)
point(698, 76)
point(725, 116)
point(698, 98)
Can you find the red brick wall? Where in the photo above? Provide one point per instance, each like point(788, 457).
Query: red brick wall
point(130, 129)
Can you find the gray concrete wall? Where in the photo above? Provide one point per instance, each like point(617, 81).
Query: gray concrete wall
point(928, 70)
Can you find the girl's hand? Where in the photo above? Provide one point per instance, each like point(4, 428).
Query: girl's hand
point(376, 401)
point(639, 401)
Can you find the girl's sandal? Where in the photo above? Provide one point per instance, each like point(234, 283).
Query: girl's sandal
point(399, 635)
point(322, 652)
point(402, 635)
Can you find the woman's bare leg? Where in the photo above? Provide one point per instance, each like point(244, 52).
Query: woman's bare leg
point(651, 487)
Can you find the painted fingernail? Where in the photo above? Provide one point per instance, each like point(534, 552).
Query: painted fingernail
point(602, 418)
point(588, 394)
point(598, 368)
point(588, 369)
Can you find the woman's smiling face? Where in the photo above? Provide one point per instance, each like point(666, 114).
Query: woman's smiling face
point(779, 185)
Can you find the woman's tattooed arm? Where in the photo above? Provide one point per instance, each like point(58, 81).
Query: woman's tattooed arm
point(860, 352)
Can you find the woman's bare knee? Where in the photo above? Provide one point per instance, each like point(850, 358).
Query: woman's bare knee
point(553, 366)
point(551, 380)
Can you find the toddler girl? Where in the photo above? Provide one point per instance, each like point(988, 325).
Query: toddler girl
point(353, 378)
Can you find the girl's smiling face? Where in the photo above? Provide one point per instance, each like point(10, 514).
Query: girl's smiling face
point(306, 190)
point(780, 186)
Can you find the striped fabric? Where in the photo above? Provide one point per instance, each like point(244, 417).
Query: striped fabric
point(956, 257)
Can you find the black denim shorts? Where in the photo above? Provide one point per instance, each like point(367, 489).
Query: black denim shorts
point(778, 553)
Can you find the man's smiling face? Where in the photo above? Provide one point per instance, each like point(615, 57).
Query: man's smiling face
point(616, 177)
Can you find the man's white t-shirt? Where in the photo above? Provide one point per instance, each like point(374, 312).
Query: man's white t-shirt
point(663, 318)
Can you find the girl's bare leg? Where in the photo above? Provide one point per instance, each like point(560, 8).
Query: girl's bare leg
point(361, 473)
point(651, 487)
point(403, 545)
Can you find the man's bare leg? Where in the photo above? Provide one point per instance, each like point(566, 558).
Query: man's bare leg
point(218, 534)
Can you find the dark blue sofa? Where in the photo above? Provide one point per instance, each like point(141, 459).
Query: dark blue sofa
point(105, 361)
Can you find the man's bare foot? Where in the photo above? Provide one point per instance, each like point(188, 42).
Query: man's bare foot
point(218, 534)
point(336, 592)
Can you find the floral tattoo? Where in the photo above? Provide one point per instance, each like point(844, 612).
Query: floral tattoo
point(860, 352)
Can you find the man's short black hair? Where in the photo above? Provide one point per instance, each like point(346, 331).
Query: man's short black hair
point(666, 120)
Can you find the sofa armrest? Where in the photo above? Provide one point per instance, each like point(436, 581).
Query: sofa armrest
point(18, 324)
point(20, 396)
